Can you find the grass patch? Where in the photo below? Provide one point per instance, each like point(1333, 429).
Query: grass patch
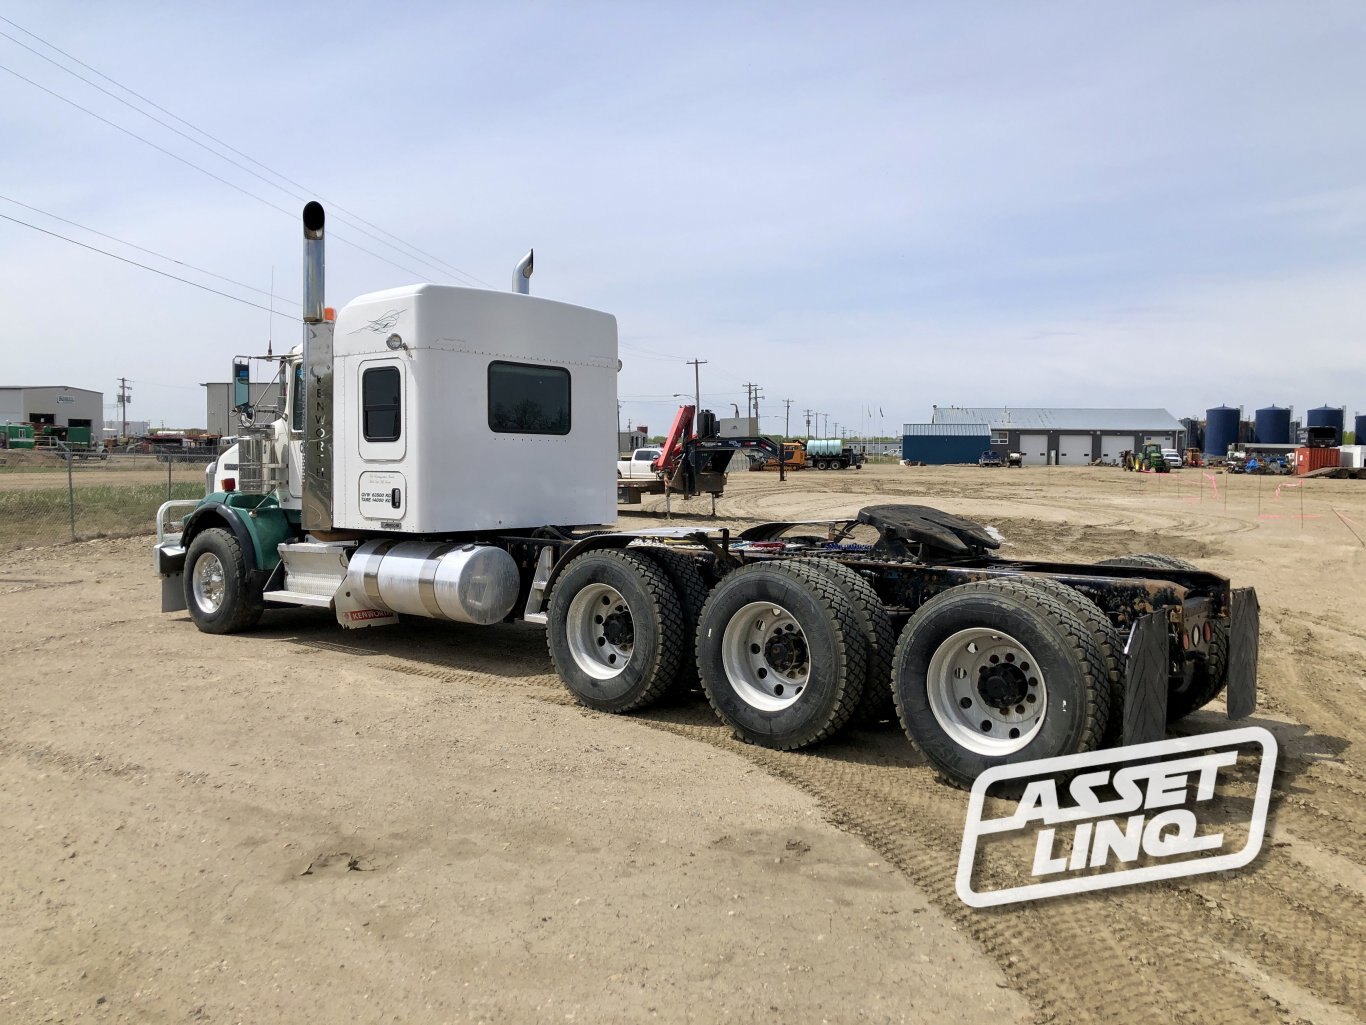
point(43, 516)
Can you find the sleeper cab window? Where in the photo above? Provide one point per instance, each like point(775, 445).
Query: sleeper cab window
point(381, 412)
point(528, 399)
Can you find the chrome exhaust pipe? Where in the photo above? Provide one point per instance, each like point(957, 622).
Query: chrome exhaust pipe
point(521, 276)
point(316, 489)
point(313, 263)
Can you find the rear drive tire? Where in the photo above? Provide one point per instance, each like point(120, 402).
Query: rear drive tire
point(691, 590)
point(1108, 640)
point(876, 704)
point(781, 655)
point(615, 631)
point(998, 672)
point(218, 595)
point(1210, 676)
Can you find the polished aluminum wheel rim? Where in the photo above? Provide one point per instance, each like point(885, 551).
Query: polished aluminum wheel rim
point(766, 657)
point(987, 691)
point(208, 582)
point(600, 631)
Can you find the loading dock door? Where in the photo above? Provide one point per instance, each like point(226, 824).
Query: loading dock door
point(1165, 440)
point(1034, 449)
point(1074, 450)
point(1113, 445)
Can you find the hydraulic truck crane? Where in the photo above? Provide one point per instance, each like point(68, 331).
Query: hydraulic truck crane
point(353, 498)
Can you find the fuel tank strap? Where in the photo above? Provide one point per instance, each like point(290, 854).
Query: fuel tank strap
point(371, 576)
point(426, 581)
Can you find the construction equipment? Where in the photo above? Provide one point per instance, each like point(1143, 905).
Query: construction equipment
point(352, 499)
point(794, 458)
point(691, 462)
point(1149, 459)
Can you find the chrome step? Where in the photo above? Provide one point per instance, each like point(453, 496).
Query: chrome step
point(319, 601)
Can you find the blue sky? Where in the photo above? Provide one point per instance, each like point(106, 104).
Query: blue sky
point(862, 206)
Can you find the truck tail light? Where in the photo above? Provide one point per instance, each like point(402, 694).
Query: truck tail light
point(229, 483)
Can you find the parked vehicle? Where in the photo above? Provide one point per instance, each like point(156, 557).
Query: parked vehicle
point(1173, 458)
point(832, 454)
point(639, 465)
point(990, 458)
point(353, 499)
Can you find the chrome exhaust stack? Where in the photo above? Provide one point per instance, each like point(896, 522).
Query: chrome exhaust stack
point(316, 486)
point(313, 263)
point(521, 275)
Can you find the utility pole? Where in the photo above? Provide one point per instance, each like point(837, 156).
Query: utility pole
point(749, 399)
point(696, 365)
point(808, 422)
point(757, 392)
point(125, 397)
point(787, 418)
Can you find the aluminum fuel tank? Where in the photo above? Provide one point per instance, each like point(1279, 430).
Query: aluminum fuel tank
point(466, 583)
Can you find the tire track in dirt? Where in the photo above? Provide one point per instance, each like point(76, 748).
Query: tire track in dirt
point(1075, 959)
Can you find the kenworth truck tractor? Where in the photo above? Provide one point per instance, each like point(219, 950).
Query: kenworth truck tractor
point(436, 452)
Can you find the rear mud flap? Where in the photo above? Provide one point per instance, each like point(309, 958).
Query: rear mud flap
point(1145, 681)
point(1243, 632)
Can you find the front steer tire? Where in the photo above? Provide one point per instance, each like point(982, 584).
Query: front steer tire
point(615, 631)
point(975, 665)
point(781, 655)
point(218, 593)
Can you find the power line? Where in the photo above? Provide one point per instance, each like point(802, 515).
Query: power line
point(201, 170)
point(143, 249)
point(124, 259)
point(414, 251)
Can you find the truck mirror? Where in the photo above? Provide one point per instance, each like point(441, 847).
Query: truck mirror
point(241, 385)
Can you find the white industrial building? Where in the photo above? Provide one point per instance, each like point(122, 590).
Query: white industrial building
point(58, 405)
point(219, 415)
point(1062, 436)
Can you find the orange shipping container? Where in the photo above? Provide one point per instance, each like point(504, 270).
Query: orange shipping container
point(1307, 460)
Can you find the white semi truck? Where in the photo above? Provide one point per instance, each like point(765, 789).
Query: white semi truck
point(436, 452)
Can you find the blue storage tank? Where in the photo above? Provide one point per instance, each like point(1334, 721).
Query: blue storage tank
point(1273, 425)
point(1327, 416)
point(1359, 426)
point(1221, 429)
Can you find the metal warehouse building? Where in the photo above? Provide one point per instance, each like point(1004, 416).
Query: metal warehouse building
point(60, 406)
point(219, 415)
point(1042, 436)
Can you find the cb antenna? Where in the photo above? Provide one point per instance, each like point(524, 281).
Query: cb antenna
point(270, 320)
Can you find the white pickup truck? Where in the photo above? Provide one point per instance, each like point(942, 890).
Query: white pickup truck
point(637, 467)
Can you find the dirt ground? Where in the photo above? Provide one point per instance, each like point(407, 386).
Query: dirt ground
point(417, 824)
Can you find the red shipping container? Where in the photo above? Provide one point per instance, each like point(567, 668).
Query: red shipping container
point(1307, 460)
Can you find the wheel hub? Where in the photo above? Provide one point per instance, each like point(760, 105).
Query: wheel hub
point(766, 656)
point(987, 691)
point(600, 631)
point(1002, 685)
point(785, 652)
point(619, 629)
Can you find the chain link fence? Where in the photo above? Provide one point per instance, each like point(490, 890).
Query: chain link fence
point(51, 498)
